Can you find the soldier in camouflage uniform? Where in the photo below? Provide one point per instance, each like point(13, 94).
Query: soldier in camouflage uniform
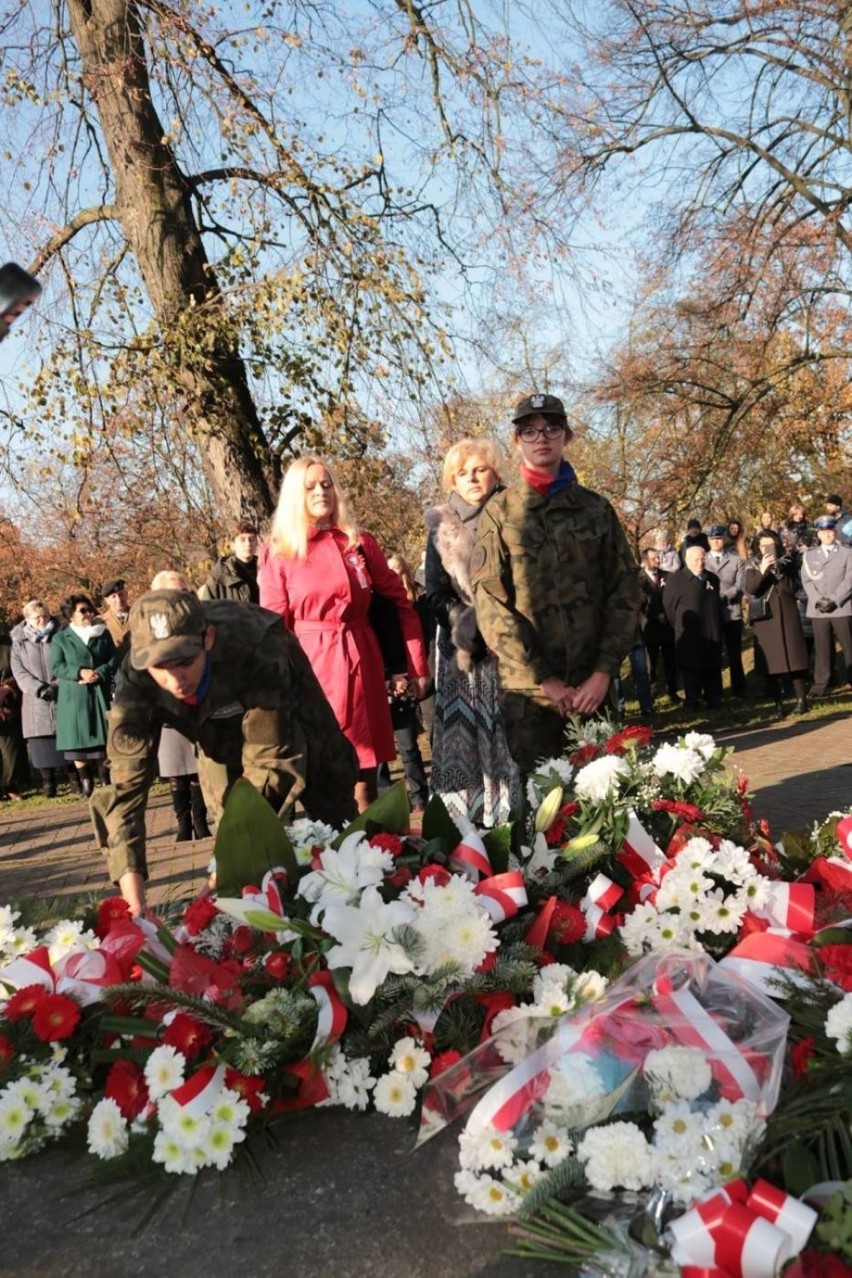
point(555, 586)
point(231, 677)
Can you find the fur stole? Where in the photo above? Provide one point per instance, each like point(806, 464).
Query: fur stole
point(454, 542)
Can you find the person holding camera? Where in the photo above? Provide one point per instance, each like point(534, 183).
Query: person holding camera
point(827, 580)
point(773, 579)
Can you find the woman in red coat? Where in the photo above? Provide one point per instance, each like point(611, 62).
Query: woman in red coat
point(319, 571)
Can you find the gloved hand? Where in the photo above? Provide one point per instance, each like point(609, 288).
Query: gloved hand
point(48, 692)
point(826, 605)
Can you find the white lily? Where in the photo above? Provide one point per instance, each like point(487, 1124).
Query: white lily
point(364, 933)
point(345, 872)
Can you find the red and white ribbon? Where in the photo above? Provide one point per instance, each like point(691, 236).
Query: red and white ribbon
point(471, 857)
point(31, 969)
point(639, 847)
point(199, 1093)
point(693, 1026)
point(601, 895)
point(728, 1238)
point(790, 905)
point(761, 956)
point(331, 1021)
point(503, 895)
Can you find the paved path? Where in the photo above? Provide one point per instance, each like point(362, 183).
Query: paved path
point(339, 1194)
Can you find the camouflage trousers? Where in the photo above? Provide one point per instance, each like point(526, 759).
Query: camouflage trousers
point(534, 728)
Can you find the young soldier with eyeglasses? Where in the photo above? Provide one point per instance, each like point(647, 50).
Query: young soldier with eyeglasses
point(555, 586)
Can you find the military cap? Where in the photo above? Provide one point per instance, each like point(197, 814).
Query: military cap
point(717, 530)
point(825, 521)
point(113, 587)
point(165, 626)
point(834, 499)
point(533, 404)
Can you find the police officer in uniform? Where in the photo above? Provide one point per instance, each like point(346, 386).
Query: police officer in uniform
point(730, 570)
point(231, 677)
point(555, 587)
point(827, 581)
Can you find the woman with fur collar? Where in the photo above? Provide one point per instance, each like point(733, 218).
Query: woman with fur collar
point(472, 769)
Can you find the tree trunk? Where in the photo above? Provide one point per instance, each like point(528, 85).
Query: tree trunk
point(157, 219)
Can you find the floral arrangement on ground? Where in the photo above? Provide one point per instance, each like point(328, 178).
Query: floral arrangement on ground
point(632, 992)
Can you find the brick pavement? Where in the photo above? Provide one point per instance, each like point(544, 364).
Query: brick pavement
point(799, 769)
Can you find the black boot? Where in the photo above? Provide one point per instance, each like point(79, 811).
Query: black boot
point(72, 776)
point(103, 774)
point(802, 705)
point(48, 783)
point(87, 783)
point(199, 811)
point(181, 804)
point(778, 712)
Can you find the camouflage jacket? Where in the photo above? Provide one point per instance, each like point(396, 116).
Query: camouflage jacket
point(555, 585)
point(265, 715)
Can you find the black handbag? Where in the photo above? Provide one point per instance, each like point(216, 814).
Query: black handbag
point(759, 608)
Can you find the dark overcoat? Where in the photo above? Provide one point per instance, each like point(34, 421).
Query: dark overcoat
point(780, 635)
point(694, 609)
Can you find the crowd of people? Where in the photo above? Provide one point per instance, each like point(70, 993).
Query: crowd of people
point(308, 661)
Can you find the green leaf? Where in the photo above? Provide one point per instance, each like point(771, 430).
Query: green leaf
point(801, 1169)
point(390, 812)
point(250, 841)
point(439, 825)
point(497, 844)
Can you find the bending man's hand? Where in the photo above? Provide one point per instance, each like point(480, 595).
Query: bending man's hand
point(591, 692)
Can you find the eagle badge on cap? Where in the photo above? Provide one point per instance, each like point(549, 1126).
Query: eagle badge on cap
point(537, 401)
point(159, 624)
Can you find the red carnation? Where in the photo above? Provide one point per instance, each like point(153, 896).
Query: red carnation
point(24, 1002)
point(635, 735)
point(55, 1017)
point(800, 1054)
point(388, 843)
point(837, 964)
point(127, 1087)
point(242, 939)
point(110, 911)
point(442, 1062)
point(584, 754)
point(188, 1035)
point(400, 878)
point(199, 915)
point(7, 1052)
point(567, 924)
point(247, 1086)
point(436, 872)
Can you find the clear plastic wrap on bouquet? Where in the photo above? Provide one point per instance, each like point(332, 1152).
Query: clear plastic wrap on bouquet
point(689, 1051)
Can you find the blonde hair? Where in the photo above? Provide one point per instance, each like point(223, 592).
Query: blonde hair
point(290, 523)
point(35, 605)
point(459, 454)
point(171, 579)
point(405, 575)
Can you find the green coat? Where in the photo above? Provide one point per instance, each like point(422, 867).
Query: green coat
point(81, 708)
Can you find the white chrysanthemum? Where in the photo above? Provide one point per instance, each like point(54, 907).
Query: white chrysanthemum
point(680, 888)
point(600, 779)
point(732, 863)
point(15, 1117)
point(522, 1175)
point(57, 1082)
point(164, 1071)
point(349, 1082)
point(346, 872)
point(29, 1091)
point(305, 835)
point(616, 1156)
point(108, 1136)
point(677, 1172)
point(8, 918)
point(700, 741)
point(732, 1122)
point(63, 1111)
point(517, 1032)
point(680, 762)
point(19, 941)
point(184, 1125)
point(574, 1081)
point(67, 937)
point(721, 914)
point(644, 931)
point(838, 1024)
point(488, 1149)
point(408, 1057)
point(176, 1157)
point(229, 1109)
point(494, 1198)
point(555, 978)
point(461, 941)
point(697, 854)
point(678, 1073)
point(756, 893)
point(395, 1094)
point(680, 1129)
point(589, 986)
point(550, 1144)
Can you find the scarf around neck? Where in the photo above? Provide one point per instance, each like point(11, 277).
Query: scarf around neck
point(546, 486)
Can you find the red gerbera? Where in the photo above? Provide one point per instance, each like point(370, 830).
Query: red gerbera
point(127, 1087)
point(388, 843)
point(24, 1002)
point(7, 1052)
point(584, 754)
point(188, 1035)
point(109, 912)
point(199, 915)
point(246, 1085)
point(635, 735)
point(55, 1017)
point(568, 923)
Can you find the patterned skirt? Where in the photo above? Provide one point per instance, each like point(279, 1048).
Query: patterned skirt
point(472, 769)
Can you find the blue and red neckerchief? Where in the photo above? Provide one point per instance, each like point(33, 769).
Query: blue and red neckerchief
point(546, 486)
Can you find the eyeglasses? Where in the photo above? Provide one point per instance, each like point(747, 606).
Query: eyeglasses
point(85, 612)
point(529, 434)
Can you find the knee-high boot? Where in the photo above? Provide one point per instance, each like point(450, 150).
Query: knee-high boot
point(47, 777)
point(181, 804)
point(199, 811)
